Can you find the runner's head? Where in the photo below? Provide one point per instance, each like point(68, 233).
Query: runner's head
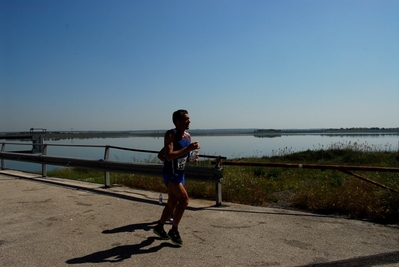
point(179, 115)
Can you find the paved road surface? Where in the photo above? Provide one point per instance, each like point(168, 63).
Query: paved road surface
point(53, 222)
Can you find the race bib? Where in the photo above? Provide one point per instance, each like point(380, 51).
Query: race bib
point(181, 163)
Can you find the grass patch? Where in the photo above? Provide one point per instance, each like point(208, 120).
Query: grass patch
point(325, 192)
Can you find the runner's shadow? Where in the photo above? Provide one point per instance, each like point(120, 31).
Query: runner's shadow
point(121, 253)
point(131, 228)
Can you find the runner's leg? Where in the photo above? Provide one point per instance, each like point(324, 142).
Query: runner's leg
point(170, 206)
point(179, 193)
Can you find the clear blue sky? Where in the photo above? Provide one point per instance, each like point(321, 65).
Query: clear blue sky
point(127, 65)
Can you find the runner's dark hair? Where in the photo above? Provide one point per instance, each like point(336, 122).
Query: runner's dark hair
point(178, 115)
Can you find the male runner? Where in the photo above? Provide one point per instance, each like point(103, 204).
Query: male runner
point(177, 146)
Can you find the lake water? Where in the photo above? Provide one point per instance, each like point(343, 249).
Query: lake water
point(230, 146)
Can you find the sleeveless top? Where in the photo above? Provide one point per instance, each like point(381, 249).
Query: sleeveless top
point(176, 167)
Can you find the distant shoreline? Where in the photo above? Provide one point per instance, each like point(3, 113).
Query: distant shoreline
point(54, 135)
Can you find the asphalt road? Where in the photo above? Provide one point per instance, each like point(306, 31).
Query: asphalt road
point(53, 222)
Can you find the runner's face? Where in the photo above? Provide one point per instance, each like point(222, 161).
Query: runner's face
point(185, 122)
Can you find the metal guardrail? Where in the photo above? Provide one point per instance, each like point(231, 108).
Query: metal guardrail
point(205, 174)
point(192, 172)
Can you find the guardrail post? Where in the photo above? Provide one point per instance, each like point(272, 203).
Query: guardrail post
point(44, 166)
point(218, 184)
point(218, 194)
point(3, 162)
point(107, 182)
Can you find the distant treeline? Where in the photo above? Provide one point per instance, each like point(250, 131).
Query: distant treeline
point(330, 130)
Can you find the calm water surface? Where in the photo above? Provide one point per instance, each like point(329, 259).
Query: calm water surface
point(229, 146)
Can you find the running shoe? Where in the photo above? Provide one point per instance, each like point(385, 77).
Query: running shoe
point(175, 237)
point(159, 231)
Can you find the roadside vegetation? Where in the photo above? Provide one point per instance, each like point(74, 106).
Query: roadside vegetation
point(318, 191)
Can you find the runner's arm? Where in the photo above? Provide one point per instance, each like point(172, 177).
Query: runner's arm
point(168, 148)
